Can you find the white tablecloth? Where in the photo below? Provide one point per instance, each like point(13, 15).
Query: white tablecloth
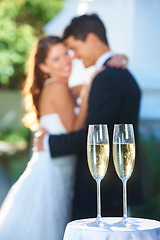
point(145, 230)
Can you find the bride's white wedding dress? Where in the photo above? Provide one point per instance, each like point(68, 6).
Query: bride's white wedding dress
point(38, 206)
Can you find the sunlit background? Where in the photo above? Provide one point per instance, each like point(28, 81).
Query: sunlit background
point(133, 28)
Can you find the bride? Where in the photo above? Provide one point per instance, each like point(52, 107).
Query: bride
point(38, 206)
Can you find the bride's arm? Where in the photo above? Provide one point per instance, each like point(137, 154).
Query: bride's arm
point(81, 118)
point(77, 90)
point(63, 103)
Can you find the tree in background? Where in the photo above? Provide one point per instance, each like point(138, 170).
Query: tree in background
point(21, 21)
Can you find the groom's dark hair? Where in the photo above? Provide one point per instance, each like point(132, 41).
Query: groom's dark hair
point(82, 25)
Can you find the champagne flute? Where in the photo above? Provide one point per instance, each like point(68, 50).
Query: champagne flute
point(98, 158)
point(124, 159)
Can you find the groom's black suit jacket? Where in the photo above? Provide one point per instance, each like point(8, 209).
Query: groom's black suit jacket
point(114, 98)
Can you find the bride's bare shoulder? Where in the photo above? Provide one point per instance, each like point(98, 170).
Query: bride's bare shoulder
point(56, 90)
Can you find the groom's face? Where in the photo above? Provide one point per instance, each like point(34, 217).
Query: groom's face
point(82, 50)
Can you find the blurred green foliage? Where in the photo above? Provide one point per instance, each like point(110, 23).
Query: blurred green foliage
point(12, 130)
point(21, 21)
point(18, 136)
point(150, 163)
point(17, 165)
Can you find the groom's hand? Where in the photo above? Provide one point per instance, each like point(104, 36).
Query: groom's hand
point(38, 140)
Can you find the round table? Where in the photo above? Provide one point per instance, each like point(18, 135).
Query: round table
point(145, 229)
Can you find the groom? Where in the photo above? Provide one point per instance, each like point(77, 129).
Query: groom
point(114, 98)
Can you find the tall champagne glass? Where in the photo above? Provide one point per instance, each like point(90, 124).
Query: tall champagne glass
point(124, 159)
point(98, 158)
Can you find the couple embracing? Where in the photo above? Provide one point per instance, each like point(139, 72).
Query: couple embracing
point(39, 205)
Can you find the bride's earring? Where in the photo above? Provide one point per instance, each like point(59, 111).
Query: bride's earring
point(45, 76)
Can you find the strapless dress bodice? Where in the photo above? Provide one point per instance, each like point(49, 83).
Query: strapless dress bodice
point(52, 123)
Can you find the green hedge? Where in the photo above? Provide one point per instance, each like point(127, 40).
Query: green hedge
point(150, 164)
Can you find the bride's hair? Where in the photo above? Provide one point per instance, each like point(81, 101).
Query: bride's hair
point(35, 78)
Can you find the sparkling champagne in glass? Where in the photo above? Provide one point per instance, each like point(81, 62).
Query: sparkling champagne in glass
point(98, 158)
point(124, 159)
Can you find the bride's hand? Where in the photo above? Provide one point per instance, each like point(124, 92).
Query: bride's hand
point(117, 61)
point(85, 92)
point(38, 140)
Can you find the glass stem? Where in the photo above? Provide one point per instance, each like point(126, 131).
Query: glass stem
point(124, 198)
point(98, 199)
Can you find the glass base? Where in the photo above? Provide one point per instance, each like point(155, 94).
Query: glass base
point(125, 223)
point(99, 223)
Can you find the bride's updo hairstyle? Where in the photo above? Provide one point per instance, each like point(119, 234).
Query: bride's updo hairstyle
point(35, 78)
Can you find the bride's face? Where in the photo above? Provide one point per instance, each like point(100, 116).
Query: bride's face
point(58, 62)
